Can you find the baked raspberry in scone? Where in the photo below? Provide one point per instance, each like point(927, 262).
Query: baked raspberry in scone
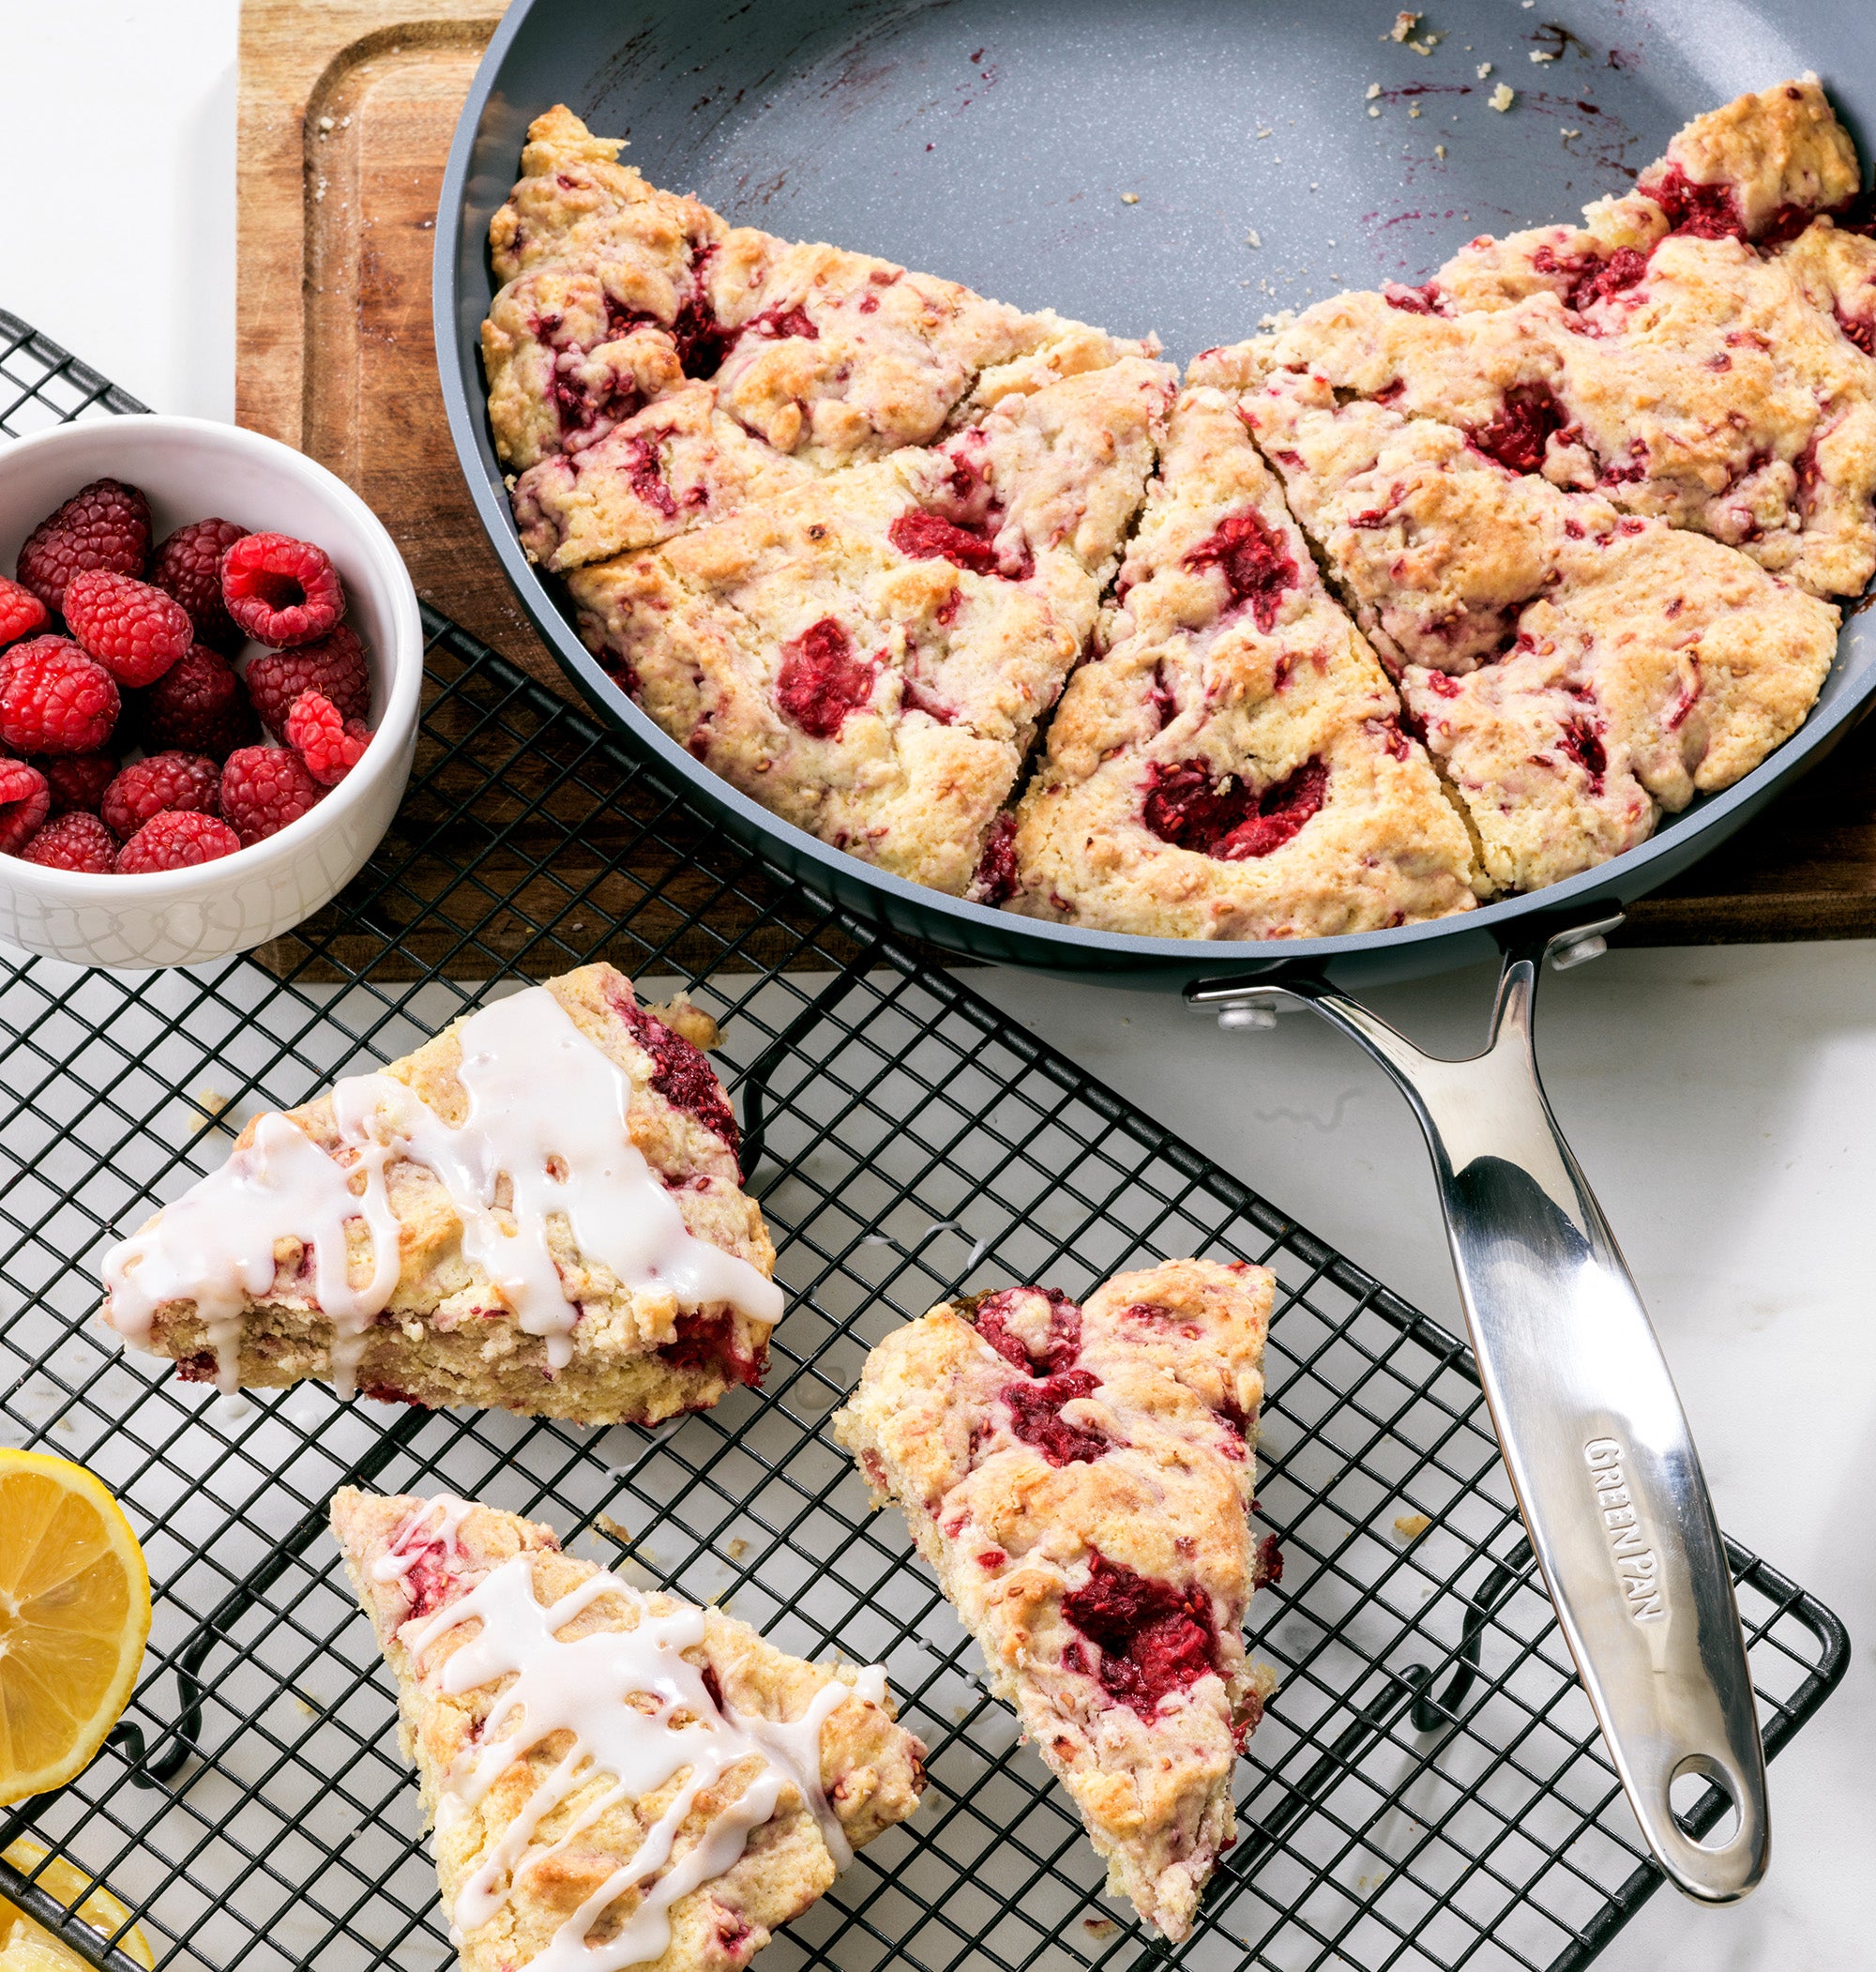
point(1081, 1480)
point(1697, 381)
point(1759, 168)
point(869, 655)
point(1232, 766)
point(1573, 671)
point(539, 1209)
point(614, 1778)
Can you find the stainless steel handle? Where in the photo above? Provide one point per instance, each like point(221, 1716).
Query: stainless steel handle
point(1594, 1436)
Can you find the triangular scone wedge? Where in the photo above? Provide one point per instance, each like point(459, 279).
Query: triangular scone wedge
point(615, 1777)
point(869, 655)
point(540, 1209)
point(1575, 671)
point(1233, 764)
point(1080, 1479)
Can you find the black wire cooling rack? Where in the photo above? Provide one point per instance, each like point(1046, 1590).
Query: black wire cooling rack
point(1427, 1790)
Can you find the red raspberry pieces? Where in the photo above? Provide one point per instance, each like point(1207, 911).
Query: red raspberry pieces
point(330, 746)
point(132, 629)
point(77, 780)
point(53, 699)
point(103, 525)
point(187, 565)
point(196, 707)
point(263, 788)
point(177, 839)
point(21, 612)
point(334, 667)
point(23, 805)
point(154, 786)
point(280, 591)
point(77, 841)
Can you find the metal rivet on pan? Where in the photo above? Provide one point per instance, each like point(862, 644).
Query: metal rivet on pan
point(1578, 952)
point(1244, 1019)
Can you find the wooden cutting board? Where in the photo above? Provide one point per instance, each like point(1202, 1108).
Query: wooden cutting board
point(347, 114)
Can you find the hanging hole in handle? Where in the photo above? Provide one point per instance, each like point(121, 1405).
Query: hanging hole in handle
point(1700, 1797)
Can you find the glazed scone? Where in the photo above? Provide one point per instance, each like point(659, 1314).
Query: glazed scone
point(1232, 765)
point(575, 1737)
point(541, 1210)
point(1573, 671)
point(869, 655)
point(1760, 168)
point(1080, 1480)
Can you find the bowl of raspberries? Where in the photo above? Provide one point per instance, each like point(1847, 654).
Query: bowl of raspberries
point(210, 656)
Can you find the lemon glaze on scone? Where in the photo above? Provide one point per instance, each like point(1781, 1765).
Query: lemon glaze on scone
point(1080, 1480)
point(614, 1778)
point(539, 1209)
point(1233, 764)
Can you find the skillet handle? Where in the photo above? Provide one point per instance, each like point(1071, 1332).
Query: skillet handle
point(1593, 1433)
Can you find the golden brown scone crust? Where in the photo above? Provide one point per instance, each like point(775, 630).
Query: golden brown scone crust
point(872, 1770)
point(1159, 1379)
point(447, 1336)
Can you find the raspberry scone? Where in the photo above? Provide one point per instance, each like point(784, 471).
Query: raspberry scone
point(869, 655)
point(1233, 765)
point(1574, 670)
point(614, 1778)
point(817, 357)
point(1081, 1480)
point(539, 1209)
point(1757, 169)
point(1691, 378)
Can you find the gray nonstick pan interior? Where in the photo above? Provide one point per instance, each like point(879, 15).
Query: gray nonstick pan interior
point(1111, 161)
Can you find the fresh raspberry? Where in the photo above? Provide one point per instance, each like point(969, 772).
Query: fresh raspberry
point(77, 780)
point(132, 629)
point(24, 805)
point(103, 525)
point(77, 841)
point(176, 840)
point(330, 746)
point(196, 707)
point(263, 788)
point(334, 667)
point(188, 567)
point(55, 700)
point(21, 612)
point(156, 785)
point(280, 591)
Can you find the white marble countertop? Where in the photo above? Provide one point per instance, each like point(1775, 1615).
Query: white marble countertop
point(1719, 1100)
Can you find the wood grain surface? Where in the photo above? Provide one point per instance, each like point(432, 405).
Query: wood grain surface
point(347, 114)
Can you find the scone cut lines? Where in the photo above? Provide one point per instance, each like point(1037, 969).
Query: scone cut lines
point(1081, 1480)
point(540, 1209)
point(615, 1777)
point(985, 597)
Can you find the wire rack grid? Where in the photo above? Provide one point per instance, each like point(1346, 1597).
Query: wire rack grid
point(1427, 1790)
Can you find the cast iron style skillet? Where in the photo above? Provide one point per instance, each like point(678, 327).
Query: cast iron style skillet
point(992, 141)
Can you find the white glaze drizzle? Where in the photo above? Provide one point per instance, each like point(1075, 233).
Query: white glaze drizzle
point(582, 1686)
point(417, 1537)
point(547, 1112)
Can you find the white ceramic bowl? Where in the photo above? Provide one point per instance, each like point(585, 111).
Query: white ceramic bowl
point(189, 468)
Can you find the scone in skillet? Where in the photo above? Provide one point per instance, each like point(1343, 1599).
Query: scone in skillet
point(1081, 1480)
point(615, 1778)
point(540, 1209)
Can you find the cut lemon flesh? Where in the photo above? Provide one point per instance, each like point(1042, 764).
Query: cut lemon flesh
point(24, 1947)
point(74, 1616)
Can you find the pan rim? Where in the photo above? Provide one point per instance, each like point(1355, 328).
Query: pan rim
point(1708, 821)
